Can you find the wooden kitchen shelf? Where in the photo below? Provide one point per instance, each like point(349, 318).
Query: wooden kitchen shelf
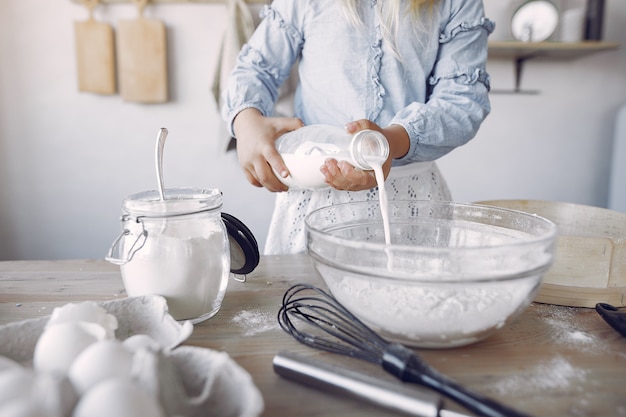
point(556, 50)
point(520, 52)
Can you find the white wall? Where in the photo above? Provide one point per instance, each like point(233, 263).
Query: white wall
point(554, 145)
point(67, 159)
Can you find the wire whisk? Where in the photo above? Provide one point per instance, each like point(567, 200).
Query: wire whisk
point(315, 318)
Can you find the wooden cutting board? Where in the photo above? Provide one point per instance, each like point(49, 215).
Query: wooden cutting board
point(590, 256)
point(142, 58)
point(95, 54)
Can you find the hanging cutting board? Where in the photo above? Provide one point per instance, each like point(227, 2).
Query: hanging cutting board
point(142, 58)
point(95, 54)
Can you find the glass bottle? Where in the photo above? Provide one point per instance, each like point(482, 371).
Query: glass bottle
point(304, 151)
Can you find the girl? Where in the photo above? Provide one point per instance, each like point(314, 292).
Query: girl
point(412, 69)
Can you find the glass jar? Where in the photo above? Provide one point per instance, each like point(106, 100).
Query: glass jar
point(304, 151)
point(177, 248)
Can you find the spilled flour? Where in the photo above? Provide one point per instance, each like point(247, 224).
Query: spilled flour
point(255, 321)
point(565, 329)
point(555, 375)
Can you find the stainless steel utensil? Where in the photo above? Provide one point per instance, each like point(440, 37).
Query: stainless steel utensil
point(339, 380)
point(310, 315)
point(159, 160)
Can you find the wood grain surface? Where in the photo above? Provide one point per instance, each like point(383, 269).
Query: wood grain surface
point(142, 58)
point(551, 361)
point(95, 54)
point(590, 254)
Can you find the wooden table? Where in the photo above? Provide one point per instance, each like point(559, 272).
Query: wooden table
point(552, 361)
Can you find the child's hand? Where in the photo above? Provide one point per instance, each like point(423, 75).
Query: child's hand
point(343, 176)
point(256, 150)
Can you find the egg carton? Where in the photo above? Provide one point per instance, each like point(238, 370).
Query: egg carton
point(189, 381)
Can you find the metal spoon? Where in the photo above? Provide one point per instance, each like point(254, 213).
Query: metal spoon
point(159, 160)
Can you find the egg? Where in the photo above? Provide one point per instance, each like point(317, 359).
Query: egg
point(24, 392)
point(86, 311)
point(23, 407)
point(118, 397)
point(99, 361)
point(46, 396)
point(55, 394)
point(60, 344)
point(15, 383)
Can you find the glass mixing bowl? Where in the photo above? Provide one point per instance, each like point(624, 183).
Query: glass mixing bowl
point(453, 274)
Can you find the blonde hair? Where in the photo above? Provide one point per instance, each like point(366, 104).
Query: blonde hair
point(393, 12)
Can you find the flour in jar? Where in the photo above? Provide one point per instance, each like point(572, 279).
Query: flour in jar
point(187, 272)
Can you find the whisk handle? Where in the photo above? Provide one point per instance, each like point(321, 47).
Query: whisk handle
point(408, 367)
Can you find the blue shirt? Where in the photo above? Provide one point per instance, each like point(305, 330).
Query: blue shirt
point(437, 90)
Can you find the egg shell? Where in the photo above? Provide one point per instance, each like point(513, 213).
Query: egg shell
point(99, 361)
point(141, 341)
point(60, 344)
point(86, 311)
point(118, 397)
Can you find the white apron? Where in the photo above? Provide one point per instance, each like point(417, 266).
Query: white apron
point(287, 233)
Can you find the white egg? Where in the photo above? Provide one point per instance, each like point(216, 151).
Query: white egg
point(54, 394)
point(60, 344)
point(15, 383)
point(99, 361)
point(141, 341)
point(8, 363)
point(23, 407)
point(87, 311)
point(118, 397)
point(24, 392)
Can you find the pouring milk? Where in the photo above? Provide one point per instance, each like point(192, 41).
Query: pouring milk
point(304, 150)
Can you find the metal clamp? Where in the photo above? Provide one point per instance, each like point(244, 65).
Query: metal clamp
point(136, 246)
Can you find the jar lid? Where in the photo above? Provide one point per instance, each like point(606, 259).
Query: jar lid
point(244, 250)
point(178, 201)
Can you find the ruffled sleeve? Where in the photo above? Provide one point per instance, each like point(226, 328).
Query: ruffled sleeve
point(264, 62)
point(457, 101)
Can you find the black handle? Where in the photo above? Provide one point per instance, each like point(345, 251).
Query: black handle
point(613, 316)
point(407, 366)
